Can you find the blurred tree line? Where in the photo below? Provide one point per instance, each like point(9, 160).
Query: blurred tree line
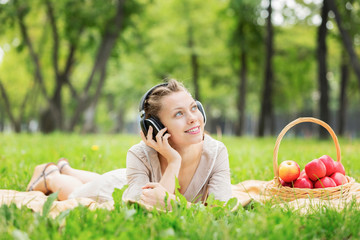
point(83, 65)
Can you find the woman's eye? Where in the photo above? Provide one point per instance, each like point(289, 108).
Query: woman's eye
point(194, 108)
point(178, 114)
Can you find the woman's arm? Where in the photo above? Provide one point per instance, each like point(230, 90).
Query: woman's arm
point(138, 174)
point(173, 158)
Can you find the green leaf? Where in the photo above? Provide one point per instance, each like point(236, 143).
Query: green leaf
point(117, 196)
point(178, 196)
point(231, 203)
point(48, 204)
point(62, 215)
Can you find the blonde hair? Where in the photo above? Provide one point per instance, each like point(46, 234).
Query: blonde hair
point(153, 103)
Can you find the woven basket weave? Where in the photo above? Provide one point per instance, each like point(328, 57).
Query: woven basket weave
point(275, 189)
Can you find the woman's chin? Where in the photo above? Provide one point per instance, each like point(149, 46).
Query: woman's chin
point(196, 139)
point(187, 141)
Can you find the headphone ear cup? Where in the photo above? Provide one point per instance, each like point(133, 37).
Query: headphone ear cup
point(201, 109)
point(156, 125)
point(143, 126)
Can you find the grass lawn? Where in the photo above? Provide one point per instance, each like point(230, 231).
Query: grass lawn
point(250, 158)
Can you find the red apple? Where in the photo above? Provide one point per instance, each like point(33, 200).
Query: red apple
point(289, 170)
point(329, 164)
point(339, 167)
point(325, 182)
point(302, 174)
point(286, 184)
point(303, 182)
point(339, 178)
point(315, 169)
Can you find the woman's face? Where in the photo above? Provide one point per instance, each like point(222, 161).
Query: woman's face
point(184, 121)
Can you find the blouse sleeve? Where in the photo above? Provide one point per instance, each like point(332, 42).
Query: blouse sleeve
point(138, 174)
point(219, 182)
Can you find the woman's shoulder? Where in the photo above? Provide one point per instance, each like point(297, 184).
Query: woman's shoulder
point(138, 150)
point(137, 147)
point(211, 143)
point(141, 150)
point(212, 148)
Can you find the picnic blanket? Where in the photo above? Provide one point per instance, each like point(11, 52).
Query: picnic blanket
point(245, 192)
point(35, 200)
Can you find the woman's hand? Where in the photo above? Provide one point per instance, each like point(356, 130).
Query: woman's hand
point(154, 194)
point(161, 145)
point(173, 158)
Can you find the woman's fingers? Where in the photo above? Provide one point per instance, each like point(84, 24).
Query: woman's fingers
point(162, 131)
point(160, 135)
point(166, 137)
point(149, 134)
point(142, 136)
point(150, 185)
point(148, 138)
point(143, 198)
point(161, 144)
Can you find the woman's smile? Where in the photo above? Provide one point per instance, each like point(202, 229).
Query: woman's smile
point(194, 130)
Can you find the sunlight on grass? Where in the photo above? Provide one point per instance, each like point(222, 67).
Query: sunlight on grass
point(250, 158)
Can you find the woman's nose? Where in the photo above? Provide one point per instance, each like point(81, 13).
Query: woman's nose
point(192, 117)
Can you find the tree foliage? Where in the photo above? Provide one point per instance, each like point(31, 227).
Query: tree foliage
point(84, 65)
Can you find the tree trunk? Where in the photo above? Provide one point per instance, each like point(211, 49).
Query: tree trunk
point(241, 102)
point(2, 118)
point(89, 119)
point(110, 36)
point(266, 112)
point(342, 97)
point(54, 113)
point(47, 123)
point(194, 62)
point(52, 116)
point(57, 103)
point(119, 120)
point(322, 70)
point(346, 39)
point(21, 12)
point(15, 123)
point(91, 126)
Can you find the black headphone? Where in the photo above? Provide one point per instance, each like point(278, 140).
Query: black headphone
point(152, 120)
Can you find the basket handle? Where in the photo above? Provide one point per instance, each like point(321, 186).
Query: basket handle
point(290, 125)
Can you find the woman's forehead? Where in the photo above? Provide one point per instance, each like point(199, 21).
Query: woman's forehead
point(177, 100)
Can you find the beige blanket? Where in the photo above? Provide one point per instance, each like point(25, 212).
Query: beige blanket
point(245, 192)
point(35, 201)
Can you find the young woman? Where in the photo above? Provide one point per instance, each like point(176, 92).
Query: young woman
point(173, 146)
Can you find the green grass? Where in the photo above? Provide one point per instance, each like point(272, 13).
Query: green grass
point(250, 158)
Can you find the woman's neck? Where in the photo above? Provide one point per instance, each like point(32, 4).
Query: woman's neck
point(190, 154)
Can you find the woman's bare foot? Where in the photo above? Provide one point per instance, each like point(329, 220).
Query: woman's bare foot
point(63, 165)
point(38, 180)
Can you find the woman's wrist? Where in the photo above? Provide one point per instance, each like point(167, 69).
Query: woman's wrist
point(171, 158)
point(171, 173)
point(174, 164)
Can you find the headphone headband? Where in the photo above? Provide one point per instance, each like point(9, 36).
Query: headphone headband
point(146, 95)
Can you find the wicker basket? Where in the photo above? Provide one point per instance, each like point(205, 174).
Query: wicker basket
point(276, 190)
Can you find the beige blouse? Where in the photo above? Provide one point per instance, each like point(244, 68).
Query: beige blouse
point(211, 177)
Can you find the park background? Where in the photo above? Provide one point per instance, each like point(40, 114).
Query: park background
point(82, 66)
point(72, 73)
